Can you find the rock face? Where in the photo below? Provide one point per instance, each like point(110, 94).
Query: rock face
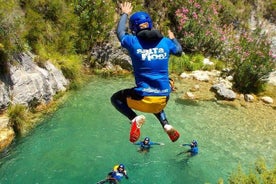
point(111, 54)
point(27, 84)
point(4, 96)
point(272, 77)
point(6, 133)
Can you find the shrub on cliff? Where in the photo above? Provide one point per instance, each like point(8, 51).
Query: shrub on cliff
point(96, 19)
point(12, 29)
point(4, 67)
point(51, 26)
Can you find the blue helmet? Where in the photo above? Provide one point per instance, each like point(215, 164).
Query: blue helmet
point(194, 142)
point(140, 21)
point(122, 166)
point(147, 139)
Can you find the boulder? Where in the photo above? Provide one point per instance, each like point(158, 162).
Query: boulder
point(267, 99)
point(223, 93)
point(201, 75)
point(248, 97)
point(272, 78)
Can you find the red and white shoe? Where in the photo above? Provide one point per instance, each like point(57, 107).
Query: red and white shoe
point(172, 133)
point(136, 124)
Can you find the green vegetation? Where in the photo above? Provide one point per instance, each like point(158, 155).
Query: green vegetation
point(251, 61)
point(12, 30)
point(223, 32)
point(50, 26)
point(259, 175)
point(71, 67)
point(65, 31)
point(96, 19)
point(193, 62)
point(4, 69)
point(213, 29)
point(22, 118)
point(180, 64)
point(18, 118)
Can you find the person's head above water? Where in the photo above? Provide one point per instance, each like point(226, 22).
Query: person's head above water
point(121, 168)
point(146, 140)
point(194, 143)
point(140, 21)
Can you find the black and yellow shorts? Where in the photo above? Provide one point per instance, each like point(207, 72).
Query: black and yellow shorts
point(129, 97)
point(149, 104)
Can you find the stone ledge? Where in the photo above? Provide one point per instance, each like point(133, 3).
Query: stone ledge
point(6, 137)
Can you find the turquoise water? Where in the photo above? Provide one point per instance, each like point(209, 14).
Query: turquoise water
point(86, 137)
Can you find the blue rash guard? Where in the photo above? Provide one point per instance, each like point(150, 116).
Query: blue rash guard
point(149, 60)
point(144, 146)
point(117, 175)
point(193, 151)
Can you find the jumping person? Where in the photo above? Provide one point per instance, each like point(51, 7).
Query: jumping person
point(146, 144)
point(149, 51)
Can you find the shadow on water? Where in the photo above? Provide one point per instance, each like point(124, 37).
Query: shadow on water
point(185, 158)
point(7, 152)
point(191, 102)
point(187, 102)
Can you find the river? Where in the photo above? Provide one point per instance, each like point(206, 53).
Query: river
point(86, 137)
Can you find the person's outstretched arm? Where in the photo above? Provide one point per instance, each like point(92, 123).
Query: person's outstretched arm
point(137, 143)
point(126, 9)
point(157, 143)
point(186, 145)
point(178, 46)
point(125, 174)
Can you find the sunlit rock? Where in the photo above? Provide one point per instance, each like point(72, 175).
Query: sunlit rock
point(190, 95)
point(267, 99)
point(223, 92)
point(6, 133)
point(200, 75)
point(4, 96)
point(248, 97)
point(33, 83)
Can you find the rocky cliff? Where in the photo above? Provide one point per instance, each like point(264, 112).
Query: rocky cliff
point(27, 83)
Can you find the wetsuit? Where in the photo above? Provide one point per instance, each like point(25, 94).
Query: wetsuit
point(193, 149)
point(116, 176)
point(146, 147)
point(149, 52)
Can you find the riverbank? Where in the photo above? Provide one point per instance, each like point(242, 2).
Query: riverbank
point(34, 117)
point(200, 90)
